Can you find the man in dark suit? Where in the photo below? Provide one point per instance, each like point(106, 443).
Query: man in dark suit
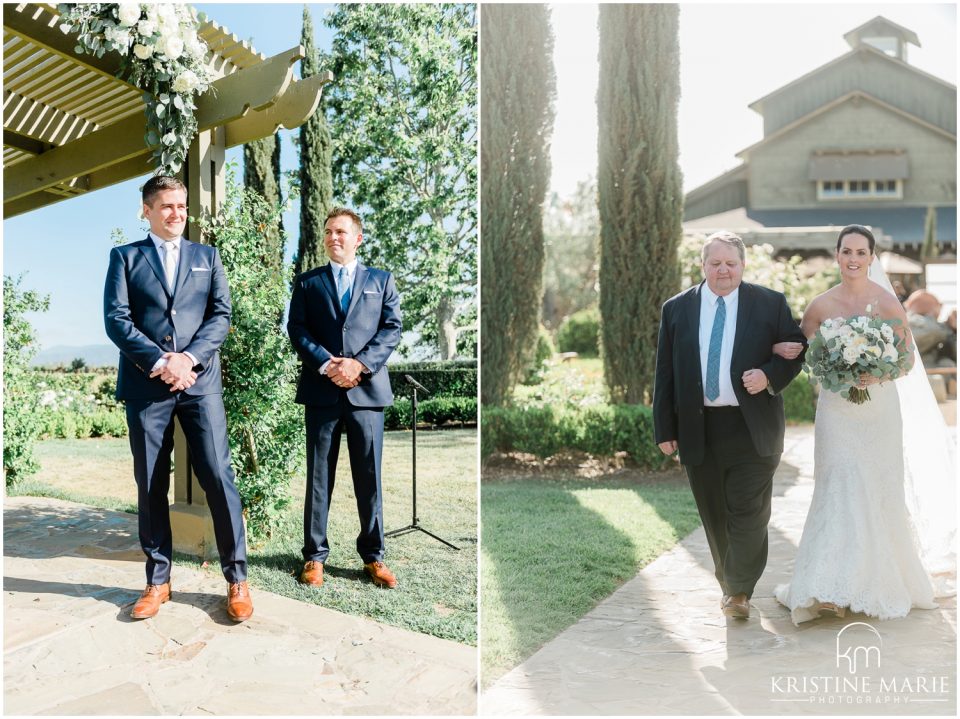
point(717, 399)
point(344, 323)
point(166, 305)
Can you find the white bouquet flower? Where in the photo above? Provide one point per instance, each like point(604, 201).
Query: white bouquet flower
point(844, 349)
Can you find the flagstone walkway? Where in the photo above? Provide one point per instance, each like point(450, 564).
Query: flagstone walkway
point(71, 574)
point(659, 645)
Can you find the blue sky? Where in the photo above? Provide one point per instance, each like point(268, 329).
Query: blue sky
point(62, 249)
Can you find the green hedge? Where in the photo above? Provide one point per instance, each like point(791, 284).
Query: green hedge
point(455, 378)
point(799, 400)
point(436, 412)
point(599, 429)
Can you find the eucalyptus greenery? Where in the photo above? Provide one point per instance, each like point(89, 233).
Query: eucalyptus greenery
point(161, 53)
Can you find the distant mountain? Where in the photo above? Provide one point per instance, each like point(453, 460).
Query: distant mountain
point(94, 355)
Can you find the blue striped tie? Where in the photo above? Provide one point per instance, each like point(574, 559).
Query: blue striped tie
point(344, 289)
point(713, 356)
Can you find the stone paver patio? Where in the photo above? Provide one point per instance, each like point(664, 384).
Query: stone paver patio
point(659, 645)
point(72, 572)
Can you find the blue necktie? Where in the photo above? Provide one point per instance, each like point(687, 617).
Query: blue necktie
point(344, 289)
point(713, 355)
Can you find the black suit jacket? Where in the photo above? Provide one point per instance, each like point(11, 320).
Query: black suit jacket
point(368, 332)
point(763, 319)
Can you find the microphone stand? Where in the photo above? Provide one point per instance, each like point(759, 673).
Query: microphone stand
point(414, 525)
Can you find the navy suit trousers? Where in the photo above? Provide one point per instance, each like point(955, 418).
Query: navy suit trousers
point(204, 423)
point(364, 428)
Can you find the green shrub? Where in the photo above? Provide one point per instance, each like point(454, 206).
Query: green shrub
point(108, 423)
point(580, 333)
point(799, 400)
point(436, 412)
point(541, 355)
point(21, 421)
point(455, 378)
point(598, 429)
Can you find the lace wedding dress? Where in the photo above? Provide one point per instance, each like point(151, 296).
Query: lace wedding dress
point(858, 548)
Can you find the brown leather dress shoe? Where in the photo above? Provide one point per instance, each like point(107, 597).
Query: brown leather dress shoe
point(312, 574)
point(239, 604)
point(380, 575)
point(149, 602)
point(737, 606)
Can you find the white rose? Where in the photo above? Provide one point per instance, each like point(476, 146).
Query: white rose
point(887, 332)
point(186, 82)
point(172, 47)
point(167, 14)
point(828, 330)
point(146, 28)
point(850, 354)
point(129, 13)
point(142, 51)
point(196, 47)
point(47, 398)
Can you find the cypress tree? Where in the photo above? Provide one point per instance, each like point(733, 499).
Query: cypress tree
point(639, 184)
point(517, 118)
point(316, 182)
point(261, 172)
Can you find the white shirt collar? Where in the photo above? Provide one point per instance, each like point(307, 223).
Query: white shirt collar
point(351, 267)
point(712, 297)
point(159, 244)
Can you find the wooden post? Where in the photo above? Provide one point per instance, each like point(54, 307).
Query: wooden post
point(190, 520)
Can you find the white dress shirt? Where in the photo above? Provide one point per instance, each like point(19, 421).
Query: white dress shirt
point(708, 310)
point(162, 251)
point(351, 277)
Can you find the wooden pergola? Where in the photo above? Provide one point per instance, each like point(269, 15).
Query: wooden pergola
point(70, 127)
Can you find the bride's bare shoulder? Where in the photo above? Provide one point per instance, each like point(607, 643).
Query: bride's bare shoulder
point(822, 306)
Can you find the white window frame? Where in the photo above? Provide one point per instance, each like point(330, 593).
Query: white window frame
point(876, 190)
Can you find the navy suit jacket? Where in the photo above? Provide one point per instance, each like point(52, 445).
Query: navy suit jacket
point(368, 333)
point(144, 319)
point(763, 319)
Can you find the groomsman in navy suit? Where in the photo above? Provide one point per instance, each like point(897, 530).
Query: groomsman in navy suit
point(166, 305)
point(344, 324)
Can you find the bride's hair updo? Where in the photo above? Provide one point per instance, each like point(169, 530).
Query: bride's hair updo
point(856, 230)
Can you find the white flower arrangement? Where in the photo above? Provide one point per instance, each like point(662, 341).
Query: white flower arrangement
point(844, 349)
point(162, 54)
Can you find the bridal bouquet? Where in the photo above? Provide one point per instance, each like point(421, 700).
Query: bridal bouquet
point(842, 350)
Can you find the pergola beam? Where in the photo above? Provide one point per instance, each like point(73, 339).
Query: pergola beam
point(22, 142)
point(23, 20)
point(293, 109)
point(229, 99)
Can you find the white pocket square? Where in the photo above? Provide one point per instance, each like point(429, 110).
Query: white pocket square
point(370, 292)
point(199, 269)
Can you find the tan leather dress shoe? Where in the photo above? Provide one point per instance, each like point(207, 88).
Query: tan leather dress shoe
point(737, 606)
point(149, 602)
point(312, 574)
point(239, 604)
point(380, 575)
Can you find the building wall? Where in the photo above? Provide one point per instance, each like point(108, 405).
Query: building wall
point(779, 169)
point(728, 196)
point(885, 79)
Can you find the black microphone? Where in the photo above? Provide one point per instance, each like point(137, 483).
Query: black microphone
point(413, 383)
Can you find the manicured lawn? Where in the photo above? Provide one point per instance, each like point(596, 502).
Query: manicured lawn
point(555, 546)
point(437, 593)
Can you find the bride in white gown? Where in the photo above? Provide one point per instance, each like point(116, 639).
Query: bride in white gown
point(860, 549)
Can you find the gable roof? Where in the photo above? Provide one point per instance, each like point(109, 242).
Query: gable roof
point(757, 105)
point(850, 96)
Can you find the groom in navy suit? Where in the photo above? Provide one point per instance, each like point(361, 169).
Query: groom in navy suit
point(166, 306)
point(344, 323)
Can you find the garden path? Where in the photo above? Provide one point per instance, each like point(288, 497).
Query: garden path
point(71, 573)
point(659, 645)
